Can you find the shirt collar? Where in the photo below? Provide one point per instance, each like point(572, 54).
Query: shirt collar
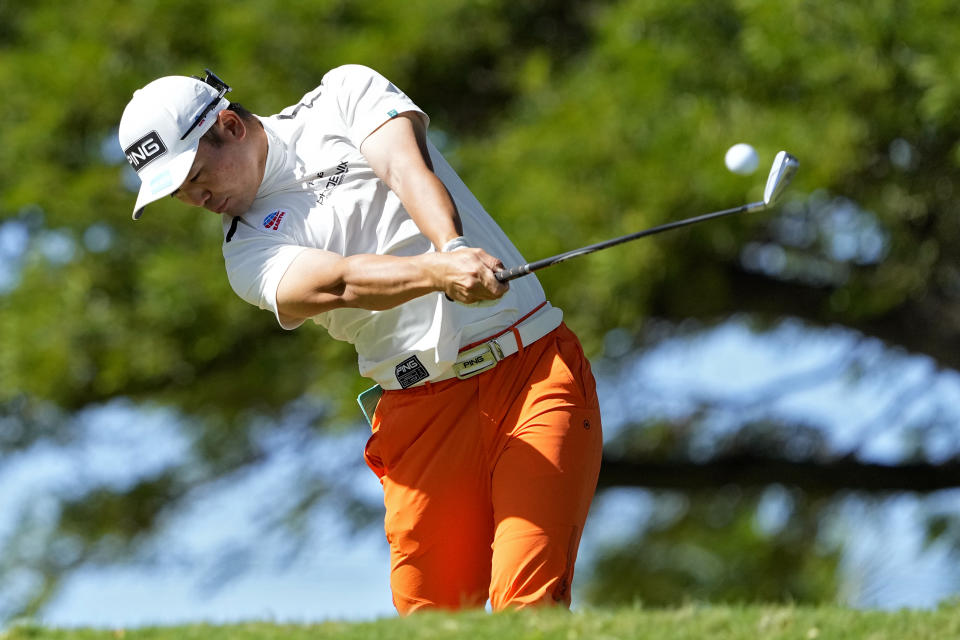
point(280, 171)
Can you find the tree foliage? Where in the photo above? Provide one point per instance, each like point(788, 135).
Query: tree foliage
point(572, 122)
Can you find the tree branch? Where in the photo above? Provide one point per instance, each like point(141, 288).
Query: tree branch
point(845, 474)
point(920, 325)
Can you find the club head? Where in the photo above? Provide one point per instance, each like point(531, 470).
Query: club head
point(781, 173)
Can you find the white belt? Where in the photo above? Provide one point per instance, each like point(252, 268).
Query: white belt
point(485, 356)
point(480, 358)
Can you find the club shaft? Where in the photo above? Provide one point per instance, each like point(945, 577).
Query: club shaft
point(515, 272)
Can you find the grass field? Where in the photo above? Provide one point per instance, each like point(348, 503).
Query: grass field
point(688, 623)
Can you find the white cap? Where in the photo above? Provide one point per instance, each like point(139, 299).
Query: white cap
point(153, 122)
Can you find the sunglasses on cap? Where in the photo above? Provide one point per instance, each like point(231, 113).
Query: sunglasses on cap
point(222, 89)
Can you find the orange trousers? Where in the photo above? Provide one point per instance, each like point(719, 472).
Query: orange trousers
point(487, 481)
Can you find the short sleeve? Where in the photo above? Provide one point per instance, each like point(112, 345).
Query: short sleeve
point(255, 265)
point(366, 100)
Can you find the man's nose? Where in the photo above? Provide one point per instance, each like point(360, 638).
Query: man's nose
point(194, 196)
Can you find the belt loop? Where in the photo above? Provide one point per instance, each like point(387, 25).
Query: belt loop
point(516, 334)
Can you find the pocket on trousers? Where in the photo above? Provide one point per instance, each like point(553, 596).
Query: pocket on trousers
point(571, 365)
point(571, 352)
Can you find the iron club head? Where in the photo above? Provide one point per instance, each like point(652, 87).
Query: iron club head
point(781, 173)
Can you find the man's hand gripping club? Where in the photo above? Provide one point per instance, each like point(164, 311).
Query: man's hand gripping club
point(469, 274)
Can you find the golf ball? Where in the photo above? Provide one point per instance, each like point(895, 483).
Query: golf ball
point(741, 158)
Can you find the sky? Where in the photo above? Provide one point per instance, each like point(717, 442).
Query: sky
point(343, 575)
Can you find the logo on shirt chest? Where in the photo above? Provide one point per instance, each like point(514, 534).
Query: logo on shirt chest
point(273, 220)
point(333, 181)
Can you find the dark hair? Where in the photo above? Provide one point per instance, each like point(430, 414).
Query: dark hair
point(212, 137)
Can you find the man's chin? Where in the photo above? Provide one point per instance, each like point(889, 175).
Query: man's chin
point(235, 209)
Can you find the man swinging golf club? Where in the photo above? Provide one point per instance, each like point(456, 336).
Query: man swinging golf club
point(487, 436)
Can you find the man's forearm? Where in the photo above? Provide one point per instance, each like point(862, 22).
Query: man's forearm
point(316, 283)
point(430, 206)
point(319, 281)
point(399, 155)
point(381, 282)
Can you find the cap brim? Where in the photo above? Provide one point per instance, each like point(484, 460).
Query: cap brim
point(162, 180)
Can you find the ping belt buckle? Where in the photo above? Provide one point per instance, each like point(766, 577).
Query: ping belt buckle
point(477, 360)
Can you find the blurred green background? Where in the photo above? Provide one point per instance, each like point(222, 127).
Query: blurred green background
point(572, 122)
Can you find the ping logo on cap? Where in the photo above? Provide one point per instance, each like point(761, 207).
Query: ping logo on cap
point(145, 150)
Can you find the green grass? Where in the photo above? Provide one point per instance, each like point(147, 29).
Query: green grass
point(687, 623)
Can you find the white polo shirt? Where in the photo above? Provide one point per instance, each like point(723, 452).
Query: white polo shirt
point(319, 191)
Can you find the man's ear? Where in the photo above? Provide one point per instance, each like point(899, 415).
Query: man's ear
point(232, 125)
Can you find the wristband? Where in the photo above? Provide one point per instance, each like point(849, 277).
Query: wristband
point(457, 243)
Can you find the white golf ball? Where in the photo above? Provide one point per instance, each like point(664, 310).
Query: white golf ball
point(741, 158)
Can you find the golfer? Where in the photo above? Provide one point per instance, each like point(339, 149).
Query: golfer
point(339, 210)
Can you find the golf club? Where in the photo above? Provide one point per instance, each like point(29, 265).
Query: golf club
point(784, 166)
